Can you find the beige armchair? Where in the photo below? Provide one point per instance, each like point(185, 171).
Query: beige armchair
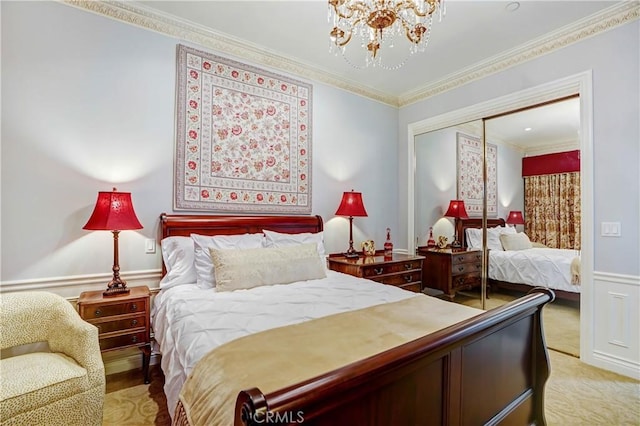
point(65, 386)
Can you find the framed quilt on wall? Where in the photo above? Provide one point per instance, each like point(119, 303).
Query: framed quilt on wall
point(243, 140)
point(470, 180)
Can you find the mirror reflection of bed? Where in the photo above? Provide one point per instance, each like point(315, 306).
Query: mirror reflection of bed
point(546, 248)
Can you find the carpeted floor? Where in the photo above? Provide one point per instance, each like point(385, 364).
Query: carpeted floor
point(561, 319)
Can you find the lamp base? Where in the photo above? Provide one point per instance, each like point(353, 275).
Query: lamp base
point(353, 255)
point(115, 291)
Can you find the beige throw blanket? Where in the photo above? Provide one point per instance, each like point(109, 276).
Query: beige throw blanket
point(273, 359)
point(575, 270)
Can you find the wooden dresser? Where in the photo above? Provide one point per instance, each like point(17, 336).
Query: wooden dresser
point(450, 270)
point(400, 270)
point(122, 321)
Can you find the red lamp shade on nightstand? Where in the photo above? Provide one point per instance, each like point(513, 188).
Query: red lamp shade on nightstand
point(457, 211)
point(515, 218)
point(114, 212)
point(351, 205)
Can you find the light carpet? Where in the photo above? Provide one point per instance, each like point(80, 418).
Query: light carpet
point(560, 318)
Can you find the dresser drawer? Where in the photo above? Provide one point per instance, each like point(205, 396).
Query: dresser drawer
point(118, 342)
point(101, 311)
point(390, 268)
point(415, 287)
point(470, 256)
point(121, 324)
point(399, 279)
point(465, 268)
point(466, 280)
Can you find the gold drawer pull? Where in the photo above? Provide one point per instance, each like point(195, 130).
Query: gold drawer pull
point(407, 266)
point(460, 258)
point(460, 280)
point(134, 307)
point(378, 271)
point(460, 268)
point(134, 339)
point(97, 313)
point(134, 322)
point(407, 278)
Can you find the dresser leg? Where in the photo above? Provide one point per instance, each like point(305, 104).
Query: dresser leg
point(146, 358)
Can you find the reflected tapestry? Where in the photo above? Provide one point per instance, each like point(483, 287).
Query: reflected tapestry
point(470, 181)
point(243, 137)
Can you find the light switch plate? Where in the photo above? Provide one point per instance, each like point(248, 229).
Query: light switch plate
point(610, 229)
point(149, 246)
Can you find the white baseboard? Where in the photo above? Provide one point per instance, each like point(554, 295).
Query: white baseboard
point(615, 364)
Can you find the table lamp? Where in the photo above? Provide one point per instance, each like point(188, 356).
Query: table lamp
point(114, 212)
point(457, 211)
point(351, 205)
point(515, 218)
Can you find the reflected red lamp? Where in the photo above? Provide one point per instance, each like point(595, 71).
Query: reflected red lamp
point(515, 218)
point(114, 212)
point(351, 205)
point(457, 211)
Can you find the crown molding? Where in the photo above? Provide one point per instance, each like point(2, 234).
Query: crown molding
point(144, 17)
point(606, 19)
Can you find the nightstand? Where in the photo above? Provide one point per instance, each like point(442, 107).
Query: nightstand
point(451, 270)
point(122, 321)
point(401, 270)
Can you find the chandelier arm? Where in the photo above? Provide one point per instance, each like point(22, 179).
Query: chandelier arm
point(411, 5)
point(355, 8)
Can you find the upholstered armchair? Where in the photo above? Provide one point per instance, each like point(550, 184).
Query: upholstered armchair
point(62, 386)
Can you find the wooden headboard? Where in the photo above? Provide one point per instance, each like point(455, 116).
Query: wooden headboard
point(185, 225)
point(463, 224)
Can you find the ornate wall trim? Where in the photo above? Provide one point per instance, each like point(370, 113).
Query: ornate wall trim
point(141, 16)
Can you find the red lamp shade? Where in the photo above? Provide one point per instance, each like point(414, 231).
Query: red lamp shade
point(515, 218)
point(351, 205)
point(113, 212)
point(456, 209)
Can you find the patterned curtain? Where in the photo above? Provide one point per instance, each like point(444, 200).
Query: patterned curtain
point(552, 209)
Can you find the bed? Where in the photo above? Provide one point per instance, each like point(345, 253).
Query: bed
point(488, 368)
point(523, 269)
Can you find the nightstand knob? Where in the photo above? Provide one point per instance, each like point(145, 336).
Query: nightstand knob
point(134, 307)
point(97, 313)
point(134, 339)
point(460, 268)
point(378, 271)
point(407, 278)
point(407, 266)
point(134, 322)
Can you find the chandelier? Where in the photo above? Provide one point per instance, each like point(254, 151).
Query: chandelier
point(377, 24)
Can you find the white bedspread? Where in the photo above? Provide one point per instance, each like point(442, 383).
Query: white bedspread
point(545, 267)
point(189, 321)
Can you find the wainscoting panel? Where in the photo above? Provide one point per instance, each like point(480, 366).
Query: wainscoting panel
point(616, 324)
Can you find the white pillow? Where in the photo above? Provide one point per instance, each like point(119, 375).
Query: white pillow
point(278, 239)
point(474, 237)
point(205, 276)
point(178, 256)
point(243, 269)
point(517, 241)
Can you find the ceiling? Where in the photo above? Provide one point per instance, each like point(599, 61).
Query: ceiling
point(469, 34)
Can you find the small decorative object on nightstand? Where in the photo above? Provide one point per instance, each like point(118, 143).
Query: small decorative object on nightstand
point(368, 248)
point(401, 270)
point(388, 245)
point(431, 243)
point(122, 321)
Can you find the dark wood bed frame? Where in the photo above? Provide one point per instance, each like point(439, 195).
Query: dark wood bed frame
point(463, 224)
point(489, 369)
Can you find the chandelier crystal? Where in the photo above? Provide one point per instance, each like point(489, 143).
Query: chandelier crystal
point(378, 24)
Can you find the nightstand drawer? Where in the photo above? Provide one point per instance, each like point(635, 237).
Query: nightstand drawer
point(118, 342)
point(101, 311)
point(121, 324)
point(471, 256)
point(466, 280)
point(390, 268)
point(400, 279)
point(464, 268)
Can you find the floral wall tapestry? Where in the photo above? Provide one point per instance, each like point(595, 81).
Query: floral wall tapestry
point(243, 137)
point(470, 181)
